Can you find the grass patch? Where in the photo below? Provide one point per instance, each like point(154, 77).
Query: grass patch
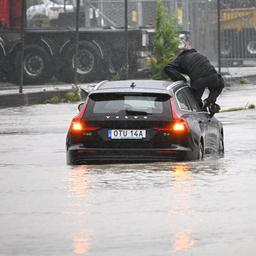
point(247, 106)
point(115, 76)
point(53, 100)
point(244, 80)
point(227, 83)
point(251, 106)
point(71, 97)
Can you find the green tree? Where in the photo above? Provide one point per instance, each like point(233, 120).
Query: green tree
point(165, 41)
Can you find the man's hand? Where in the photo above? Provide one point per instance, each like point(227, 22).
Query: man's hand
point(206, 104)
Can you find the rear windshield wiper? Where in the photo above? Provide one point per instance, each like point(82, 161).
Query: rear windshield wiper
point(135, 112)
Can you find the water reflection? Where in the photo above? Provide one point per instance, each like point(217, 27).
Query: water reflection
point(183, 241)
point(81, 242)
point(181, 170)
point(78, 181)
point(184, 193)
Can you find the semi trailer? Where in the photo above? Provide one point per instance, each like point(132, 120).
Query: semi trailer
point(50, 45)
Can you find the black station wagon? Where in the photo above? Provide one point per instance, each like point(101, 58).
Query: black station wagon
point(141, 121)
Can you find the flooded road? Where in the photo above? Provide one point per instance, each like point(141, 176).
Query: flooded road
point(161, 209)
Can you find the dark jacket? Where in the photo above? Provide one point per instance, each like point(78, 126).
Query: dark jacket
point(191, 63)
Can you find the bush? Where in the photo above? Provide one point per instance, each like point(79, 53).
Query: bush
point(251, 106)
point(227, 83)
point(243, 80)
point(165, 42)
point(71, 97)
point(53, 100)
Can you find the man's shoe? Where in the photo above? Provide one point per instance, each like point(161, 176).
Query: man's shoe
point(214, 108)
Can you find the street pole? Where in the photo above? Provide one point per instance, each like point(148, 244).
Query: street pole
point(22, 37)
point(126, 39)
point(77, 41)
point(219, 37)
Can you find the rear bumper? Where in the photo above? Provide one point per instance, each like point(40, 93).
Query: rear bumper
point(76, 154)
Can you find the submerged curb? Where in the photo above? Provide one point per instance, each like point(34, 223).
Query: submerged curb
point(237, 79)
point(30, 98)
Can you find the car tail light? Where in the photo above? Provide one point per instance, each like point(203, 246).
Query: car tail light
point(78, 126)
point(177, 125)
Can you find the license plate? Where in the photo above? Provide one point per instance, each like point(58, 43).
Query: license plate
point(126, 134)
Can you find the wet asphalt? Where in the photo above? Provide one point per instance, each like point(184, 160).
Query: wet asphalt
point(187, 208)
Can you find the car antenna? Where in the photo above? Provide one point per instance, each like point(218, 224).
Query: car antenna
point(132, 85)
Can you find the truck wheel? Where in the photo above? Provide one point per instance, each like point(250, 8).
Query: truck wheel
point(248, 42)
point(226, 48)
point(38, 65)
point(251, 47)
point(88, 62)
point(228, 45)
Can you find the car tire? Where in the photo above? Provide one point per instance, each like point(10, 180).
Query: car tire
point(38, 65)
point(71, 159)
point(88, 63)
point(221, 146)
point(200, 155)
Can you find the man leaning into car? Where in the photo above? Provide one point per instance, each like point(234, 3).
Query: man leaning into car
point(201, 73)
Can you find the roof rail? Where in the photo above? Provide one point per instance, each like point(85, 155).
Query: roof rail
point(99, 84)
point(174, 84)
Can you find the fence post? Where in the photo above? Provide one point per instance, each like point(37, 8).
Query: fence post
point(22, 37)
point(219, 37)
point(126, 39)
point(76, 41)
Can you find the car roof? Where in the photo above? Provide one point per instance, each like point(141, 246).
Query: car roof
point(138, 86)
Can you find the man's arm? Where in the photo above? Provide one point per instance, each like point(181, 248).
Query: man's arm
point(173, 73)
point(173, 69)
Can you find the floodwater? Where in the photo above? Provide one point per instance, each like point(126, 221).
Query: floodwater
point(161, 209)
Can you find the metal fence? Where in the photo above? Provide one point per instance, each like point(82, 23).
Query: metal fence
point(96, 13)
point(237, 21)
point(237, 30)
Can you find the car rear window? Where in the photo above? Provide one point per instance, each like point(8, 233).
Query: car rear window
point(120, 103)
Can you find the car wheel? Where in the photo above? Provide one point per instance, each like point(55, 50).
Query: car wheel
point(38, 65)
point(70, 159)
point(201, 152)
point(221, 146)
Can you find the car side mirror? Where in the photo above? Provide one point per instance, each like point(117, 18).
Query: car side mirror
point(80, 106)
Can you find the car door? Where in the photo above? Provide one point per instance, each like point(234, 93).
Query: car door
point(209, 125)
point(190, 115)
